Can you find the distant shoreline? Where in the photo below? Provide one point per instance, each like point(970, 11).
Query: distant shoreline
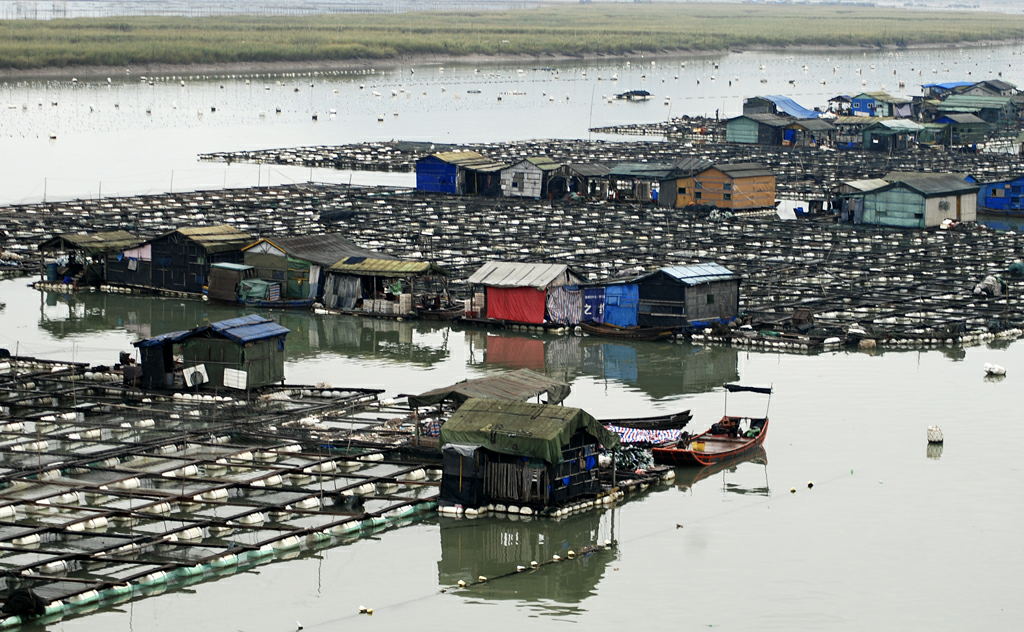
point(360, 65)
point(583, 33)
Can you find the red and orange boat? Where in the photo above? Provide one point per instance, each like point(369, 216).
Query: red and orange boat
point(730, 437)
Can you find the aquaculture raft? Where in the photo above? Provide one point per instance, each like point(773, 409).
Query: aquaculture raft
point(109, 493)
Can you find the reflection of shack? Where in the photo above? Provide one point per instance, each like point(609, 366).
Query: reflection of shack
point(85, 255)
point(534, 455)
point(657, 373)
point(380, 286)
point(491, 547)
point(532, 293)
point(241, 353)
point(179, 260)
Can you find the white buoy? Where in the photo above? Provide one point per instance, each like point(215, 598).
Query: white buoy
point(934, 434)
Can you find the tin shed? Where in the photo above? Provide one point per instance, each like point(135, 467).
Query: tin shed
point(518, 292)
point(528, 178)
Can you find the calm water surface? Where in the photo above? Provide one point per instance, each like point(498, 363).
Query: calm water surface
point(892, 536)
point(130, 137)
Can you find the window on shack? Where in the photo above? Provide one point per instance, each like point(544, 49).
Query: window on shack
point(682, 191)
point(711, 299)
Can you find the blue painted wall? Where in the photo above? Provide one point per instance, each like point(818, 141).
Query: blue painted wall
point(863, 105)
point(621, 303)
point(436, 176)
point(1002, 196)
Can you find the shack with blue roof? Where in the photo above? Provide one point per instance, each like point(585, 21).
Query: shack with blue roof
point(239, 353)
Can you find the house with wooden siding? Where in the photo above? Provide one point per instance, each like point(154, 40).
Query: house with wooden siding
point(963, 129)
point(676, 190)
point(528, 178)
point(759, 129)
point(177, 261)
point(909, 200)
point(739, 186)
point(996, 110)
point(881, 104)
point(814, 132)
point(991, 88)
point(891, 135)
point(585, 179)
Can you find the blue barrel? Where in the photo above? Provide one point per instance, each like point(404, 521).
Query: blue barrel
point(51, 272)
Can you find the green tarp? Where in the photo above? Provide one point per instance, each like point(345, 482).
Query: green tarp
point(515, 385)
point(520, 429)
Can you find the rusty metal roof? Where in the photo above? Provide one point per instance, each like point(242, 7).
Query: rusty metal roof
point(470, 160)
point(385, 267)
point(92, 243)
point(324, 249)
point(216, 238)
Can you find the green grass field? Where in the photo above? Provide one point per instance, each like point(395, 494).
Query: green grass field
point(560, 30)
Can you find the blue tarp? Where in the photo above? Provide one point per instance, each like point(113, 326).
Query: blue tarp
point(248, 328)
point(171, 337)
point(593, 305)
point(949, 85)
point(788, 106)
point(621, 304)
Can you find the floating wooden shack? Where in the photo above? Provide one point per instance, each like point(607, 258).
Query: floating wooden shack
point(379, 286)
point(583, 179)
point(526, 293)
point(815, 132)
point(880, 103)
point(777, 105)
point(291, 270)
point(738, 186)
point(677, 189)
point(84, 255)
point(891, 135)
point(532, 455)
point(909, 200)
point(240, 353)
point(996, 110)
point(179, 260)
point(760, 129)
point(672, 296)
point(963, 129)
point(459, 173)
point(530, 177)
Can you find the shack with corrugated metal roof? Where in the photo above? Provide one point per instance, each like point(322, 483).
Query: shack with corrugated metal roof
point(909, 200)
point(527, 293)
point(298, 263)
point(528, 178)
point(459, 173)
point(179, 260)
point(672, 296)
point(240, 353)
point(380, 286)
point(891, 135)
point(582, 179)
point(735, 186)
point(532, 455)
point(83, 256)
point(760, 129)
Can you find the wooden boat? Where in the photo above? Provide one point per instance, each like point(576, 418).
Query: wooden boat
point(730, 437)
point(674, 421)
point(444, 313)
point(628, 333)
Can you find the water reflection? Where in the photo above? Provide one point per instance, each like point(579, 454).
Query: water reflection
point(73, 314)
point(494, 546)
point(656, 368)
point(753, 479)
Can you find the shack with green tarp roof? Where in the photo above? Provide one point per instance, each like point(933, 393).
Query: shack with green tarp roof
point(534, 455)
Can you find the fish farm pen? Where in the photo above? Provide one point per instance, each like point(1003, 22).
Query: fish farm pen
point(798, 171)
point(109, 493)
point(906, 285)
